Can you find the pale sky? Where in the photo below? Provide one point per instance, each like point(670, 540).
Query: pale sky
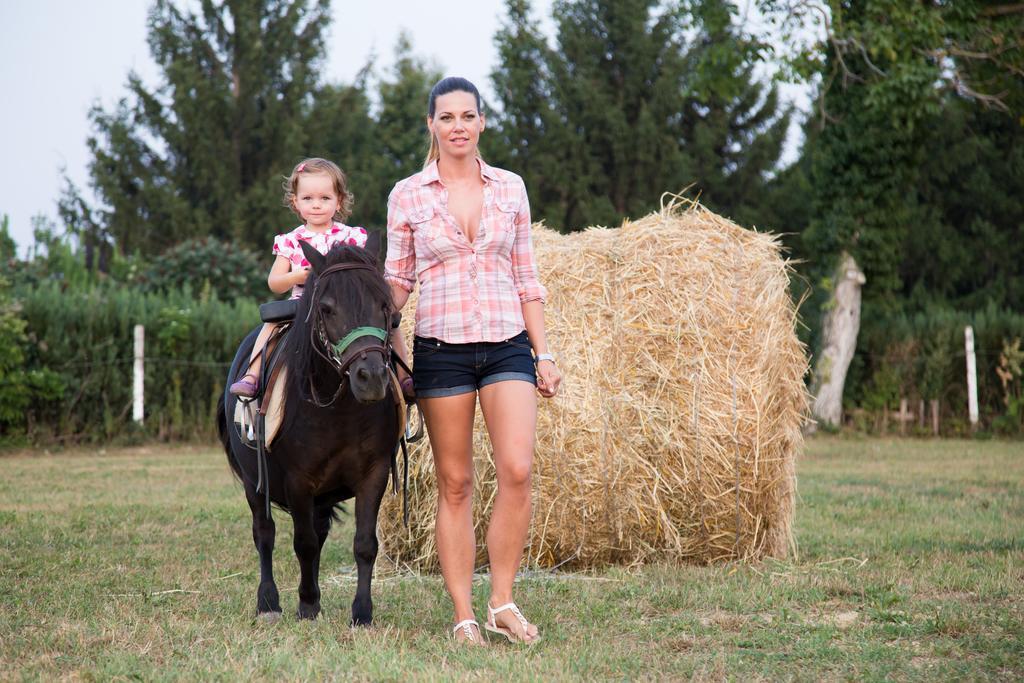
point(58, 58)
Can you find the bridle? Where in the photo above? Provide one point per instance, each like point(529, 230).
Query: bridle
point(339, 355)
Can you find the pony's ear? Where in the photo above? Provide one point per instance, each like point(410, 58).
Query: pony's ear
point(315, 258)
point(373, 245)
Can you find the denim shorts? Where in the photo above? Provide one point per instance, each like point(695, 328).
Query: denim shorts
point(442, 369)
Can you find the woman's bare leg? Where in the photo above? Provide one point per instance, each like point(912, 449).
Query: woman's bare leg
point(450, 428)
point(510, 411)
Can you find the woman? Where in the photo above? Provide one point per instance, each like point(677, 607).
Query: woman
point(462, 229)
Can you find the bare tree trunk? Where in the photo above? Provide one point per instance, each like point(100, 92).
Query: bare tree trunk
point(839, 340)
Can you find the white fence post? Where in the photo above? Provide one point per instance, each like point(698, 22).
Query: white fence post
point(139, 374)
point(972, 377)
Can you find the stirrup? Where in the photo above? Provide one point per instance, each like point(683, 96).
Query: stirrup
point(466, 626)
point(492, 625)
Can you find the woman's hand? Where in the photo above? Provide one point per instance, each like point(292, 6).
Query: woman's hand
point(548, 378)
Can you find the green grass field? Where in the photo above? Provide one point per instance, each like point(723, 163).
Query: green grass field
point(139, 564)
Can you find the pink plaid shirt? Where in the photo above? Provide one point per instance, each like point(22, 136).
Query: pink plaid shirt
point(469, 291)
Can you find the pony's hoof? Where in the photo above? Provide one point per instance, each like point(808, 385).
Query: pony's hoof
point(362, 612)
point(308, 612)
point(269, 617)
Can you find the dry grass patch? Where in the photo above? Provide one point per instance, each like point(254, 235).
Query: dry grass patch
point(727, 621)
point(841, 619)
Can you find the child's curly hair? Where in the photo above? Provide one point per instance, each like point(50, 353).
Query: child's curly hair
point(338, 179)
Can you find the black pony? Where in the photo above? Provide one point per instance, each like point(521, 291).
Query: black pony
point(340, 427)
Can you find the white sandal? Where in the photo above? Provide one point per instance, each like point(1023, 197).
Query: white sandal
point(492, 625)
point(467, 630)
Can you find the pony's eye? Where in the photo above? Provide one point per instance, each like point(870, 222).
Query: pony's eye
point(326, 308)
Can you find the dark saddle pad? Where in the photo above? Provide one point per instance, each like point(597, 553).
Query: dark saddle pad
point(279, 311)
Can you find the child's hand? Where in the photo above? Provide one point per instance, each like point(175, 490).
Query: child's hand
point(301, 276)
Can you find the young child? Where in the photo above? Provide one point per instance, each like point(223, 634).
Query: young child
point(317, 191)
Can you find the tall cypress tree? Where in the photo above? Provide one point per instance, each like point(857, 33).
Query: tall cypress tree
point(376, 149)
point(402, 119)
point(343, 129)
point(528, 131)
point(640, 97)
point(733, 126)
point(203, 153)
point(618, 81)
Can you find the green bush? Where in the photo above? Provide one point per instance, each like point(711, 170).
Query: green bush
point(20, 388)
point(1010, 372)
point(231, 272)
point(86, 338)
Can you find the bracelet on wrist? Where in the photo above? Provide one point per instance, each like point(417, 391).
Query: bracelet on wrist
point(543, 356)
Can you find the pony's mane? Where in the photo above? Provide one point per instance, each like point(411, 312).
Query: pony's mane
point(364, 292)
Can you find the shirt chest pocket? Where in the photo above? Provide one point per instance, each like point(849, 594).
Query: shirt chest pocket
point(429, 233)
point(425, 223)
point(506, 216)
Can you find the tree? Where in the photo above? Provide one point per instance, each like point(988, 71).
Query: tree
point(402, 122)
point(203, 153)
point(8, 247)
point(640, 97)
point(81, 223)
point(343, 130)
point(895, 75)
point(377, 151)
point(733, 125)
point(529, 133)
point(979, 43)
point(905, 87)
point(867, 160)
point(968, 248)
point(620, 70)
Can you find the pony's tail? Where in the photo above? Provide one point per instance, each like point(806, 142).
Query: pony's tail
point(225, 440)
point(337, 511)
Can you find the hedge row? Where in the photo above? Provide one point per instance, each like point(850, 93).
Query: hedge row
point(923, 357)
point(76, 356)
point(86, 337)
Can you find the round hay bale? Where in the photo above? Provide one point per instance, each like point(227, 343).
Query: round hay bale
point(678, 424)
